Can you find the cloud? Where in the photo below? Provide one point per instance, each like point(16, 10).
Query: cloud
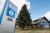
point(47, 15)
point(28, 5)
point(20, 3)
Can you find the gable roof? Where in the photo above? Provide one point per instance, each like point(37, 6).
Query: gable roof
point(38, 20)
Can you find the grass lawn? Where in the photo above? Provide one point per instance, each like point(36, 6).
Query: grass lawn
point(32, 31)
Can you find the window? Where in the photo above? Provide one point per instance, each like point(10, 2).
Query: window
point(38, 26)
point(43, 20)
point(45, 26)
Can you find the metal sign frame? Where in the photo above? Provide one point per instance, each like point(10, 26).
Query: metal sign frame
point(3, 11)
point(5, 25)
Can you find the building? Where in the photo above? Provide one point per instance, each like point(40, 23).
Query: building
point(41, 23)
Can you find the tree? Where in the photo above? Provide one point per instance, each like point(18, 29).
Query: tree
point(24, 18)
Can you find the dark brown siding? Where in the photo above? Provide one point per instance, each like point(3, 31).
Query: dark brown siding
point(49, 26)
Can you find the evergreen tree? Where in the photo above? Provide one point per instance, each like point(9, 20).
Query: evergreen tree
point(24, 18)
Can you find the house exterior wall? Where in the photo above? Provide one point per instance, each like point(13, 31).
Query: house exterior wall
point(49, 26)
point(43, 24)
point(38, 26)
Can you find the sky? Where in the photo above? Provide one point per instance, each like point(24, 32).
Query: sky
point(37, 8)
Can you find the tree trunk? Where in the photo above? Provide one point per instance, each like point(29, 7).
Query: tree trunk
point(23, 27)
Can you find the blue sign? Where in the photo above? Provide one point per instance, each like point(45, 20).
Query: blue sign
point(44, 23)
point(10, 12)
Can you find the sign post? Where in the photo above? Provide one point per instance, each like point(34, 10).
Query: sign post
point(8, 14)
